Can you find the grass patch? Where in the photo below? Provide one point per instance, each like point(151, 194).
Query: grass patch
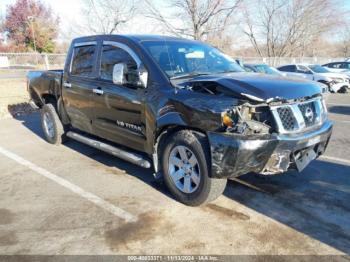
point(14, 98)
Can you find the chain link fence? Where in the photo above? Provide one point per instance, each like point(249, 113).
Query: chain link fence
point(32, 61)
point(14, 67)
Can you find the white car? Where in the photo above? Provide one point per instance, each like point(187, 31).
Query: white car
point(336, 82)
point(339, 67)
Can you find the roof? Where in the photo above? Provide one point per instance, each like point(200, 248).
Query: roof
point(135, 38)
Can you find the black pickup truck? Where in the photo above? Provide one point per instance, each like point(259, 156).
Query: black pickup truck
point(183, 108)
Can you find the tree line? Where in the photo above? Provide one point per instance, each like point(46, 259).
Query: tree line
point(265, 28)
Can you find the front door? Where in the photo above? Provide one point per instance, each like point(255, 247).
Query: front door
point(77, 86)
point(118, 108)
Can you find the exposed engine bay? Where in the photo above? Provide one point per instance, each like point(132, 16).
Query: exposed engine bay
point(252, 115)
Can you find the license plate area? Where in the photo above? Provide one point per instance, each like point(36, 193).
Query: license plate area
point(313, 141)
point(303, 158)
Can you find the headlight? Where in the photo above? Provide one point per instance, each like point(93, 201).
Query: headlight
point(338, 80)
point(226, 120)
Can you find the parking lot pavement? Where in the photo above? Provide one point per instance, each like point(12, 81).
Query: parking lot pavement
point(63, 200)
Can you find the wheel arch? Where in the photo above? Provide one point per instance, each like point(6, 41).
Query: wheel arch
point(164, 132)
point(48, 98)
point(58, 104)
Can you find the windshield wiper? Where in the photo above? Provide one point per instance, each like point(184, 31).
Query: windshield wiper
point(192, 74)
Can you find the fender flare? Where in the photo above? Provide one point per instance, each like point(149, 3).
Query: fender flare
point(163, 123)
point(169, 119)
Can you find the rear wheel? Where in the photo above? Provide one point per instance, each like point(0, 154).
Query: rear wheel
point(52, 125)
point(186, 169)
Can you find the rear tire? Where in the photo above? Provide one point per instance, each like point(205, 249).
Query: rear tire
point(185, 159)
point(52, 125)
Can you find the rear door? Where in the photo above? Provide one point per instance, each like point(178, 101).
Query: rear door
point(118, 108)
point(78, 85)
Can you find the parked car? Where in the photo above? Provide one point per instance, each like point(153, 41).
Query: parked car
point(182, 108)
point(336, 82)
point(339, 67)
point(263, 68)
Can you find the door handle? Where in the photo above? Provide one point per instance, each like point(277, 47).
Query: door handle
point(98, 91)
point(67, 84)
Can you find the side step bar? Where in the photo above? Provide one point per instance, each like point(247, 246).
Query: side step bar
point(122, 154)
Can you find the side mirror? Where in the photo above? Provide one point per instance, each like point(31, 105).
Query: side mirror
point(119, 71)
point(143, 75)
point(122, 75)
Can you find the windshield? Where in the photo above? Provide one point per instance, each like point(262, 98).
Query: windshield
point(177, 58)
point(318, 69)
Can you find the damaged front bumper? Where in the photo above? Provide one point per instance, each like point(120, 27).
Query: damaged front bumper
point(338, 86)
point(233, 155)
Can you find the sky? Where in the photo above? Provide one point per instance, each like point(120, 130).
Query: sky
point(65, 9)
point(70, 11)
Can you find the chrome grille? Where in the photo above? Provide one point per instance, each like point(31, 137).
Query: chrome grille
point(309, 113)
point(287, 118)
point(299, 116)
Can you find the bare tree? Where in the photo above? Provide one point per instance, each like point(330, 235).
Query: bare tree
point(197, 19)
point(106, 16)
point(278, 28)
point(344, 44)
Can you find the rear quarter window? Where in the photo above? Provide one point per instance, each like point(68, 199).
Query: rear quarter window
point(83, 61)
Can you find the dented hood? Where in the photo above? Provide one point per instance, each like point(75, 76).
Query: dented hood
point(262, 87)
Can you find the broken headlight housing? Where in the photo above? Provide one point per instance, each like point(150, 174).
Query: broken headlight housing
point(249, 119)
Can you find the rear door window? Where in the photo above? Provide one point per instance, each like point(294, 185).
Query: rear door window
point(335, 65)
point(83, 61)
point(288, 68)
point(345, 66)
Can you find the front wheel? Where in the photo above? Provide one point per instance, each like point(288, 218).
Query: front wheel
point(52, 125)
point(343, 90)
point(186, 169)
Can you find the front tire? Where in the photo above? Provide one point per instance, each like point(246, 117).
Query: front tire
point(343, 90)
point(52, 125)
point(186, 167)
